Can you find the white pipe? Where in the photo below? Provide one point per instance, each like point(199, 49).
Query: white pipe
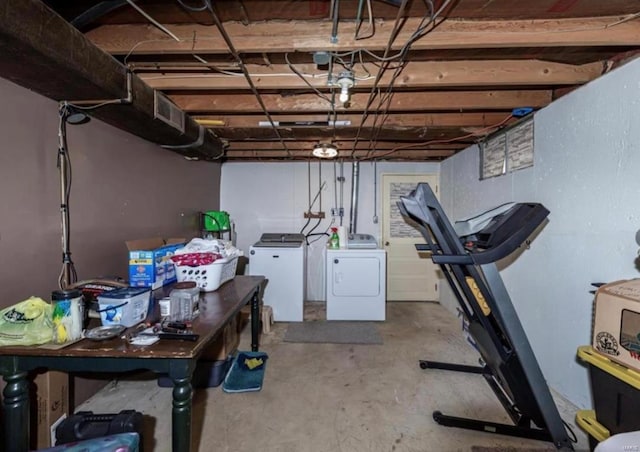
point(353, 215)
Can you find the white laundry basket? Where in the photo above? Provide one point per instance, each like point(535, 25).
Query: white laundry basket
point(209, 277)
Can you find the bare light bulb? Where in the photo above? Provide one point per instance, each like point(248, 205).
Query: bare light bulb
point(344, 94)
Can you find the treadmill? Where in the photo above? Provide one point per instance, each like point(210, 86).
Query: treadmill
point(507, 361)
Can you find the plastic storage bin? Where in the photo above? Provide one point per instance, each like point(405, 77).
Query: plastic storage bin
point(127, 306)
point(616, 392)
point(586, 419)
point(209, 277)
point(121, 442)
point(208, 374)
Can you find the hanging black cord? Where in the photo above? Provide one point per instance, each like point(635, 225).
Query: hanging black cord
point(572, 434)
point(68, 273)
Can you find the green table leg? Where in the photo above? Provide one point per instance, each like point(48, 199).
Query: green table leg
point(255, 321)
point(181, 416)
point(15, 407)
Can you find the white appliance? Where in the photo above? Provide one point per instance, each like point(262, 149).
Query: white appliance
point(362, 241)
point(281, 258)
point(356, 284)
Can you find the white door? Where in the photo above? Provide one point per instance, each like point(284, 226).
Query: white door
point(411, 276)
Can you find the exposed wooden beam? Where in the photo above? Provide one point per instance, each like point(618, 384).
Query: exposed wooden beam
point(417, 74)
point(382, 145)
point(295, 36)
point(320, 121)
point(402, 101)
point(404, 134)
point(41, 51)
point(419, 154)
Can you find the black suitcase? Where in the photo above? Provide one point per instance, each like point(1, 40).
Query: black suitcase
point(86, 425)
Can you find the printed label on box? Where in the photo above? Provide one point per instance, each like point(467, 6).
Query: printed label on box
point(616, 330)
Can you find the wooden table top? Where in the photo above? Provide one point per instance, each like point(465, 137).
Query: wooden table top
point(216, 310)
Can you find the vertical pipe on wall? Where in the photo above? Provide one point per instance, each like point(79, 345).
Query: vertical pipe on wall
point(353, 215)
point(341, 208)
point(335, 7)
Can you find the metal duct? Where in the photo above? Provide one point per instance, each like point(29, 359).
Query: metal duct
point(353, 214)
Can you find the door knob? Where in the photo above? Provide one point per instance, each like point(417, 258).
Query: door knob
point(386, 243)
point(335, 261)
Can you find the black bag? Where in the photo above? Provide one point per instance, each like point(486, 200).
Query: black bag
point(86, 425)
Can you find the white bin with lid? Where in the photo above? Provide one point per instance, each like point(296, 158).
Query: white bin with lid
point(127, 306)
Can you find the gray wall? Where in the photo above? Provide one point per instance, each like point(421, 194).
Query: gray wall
point(272, 197)
point(586, 168)
point(123, 188)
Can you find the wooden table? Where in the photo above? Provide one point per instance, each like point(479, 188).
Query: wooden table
point(175, 358)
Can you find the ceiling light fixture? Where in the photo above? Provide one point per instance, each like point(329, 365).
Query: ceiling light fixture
point(325, 151)
point(345, 82)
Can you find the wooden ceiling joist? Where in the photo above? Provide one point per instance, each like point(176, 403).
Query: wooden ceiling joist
point(418, 134)
point(294, 36)
point(382, 145)
point(306, 154)
point(42, 52)
point(318, 121)
point(401, 101)
point(420, 74)
point(459, 81)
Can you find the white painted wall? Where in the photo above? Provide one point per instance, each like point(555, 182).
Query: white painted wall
point(587, 173)
point(272, 197)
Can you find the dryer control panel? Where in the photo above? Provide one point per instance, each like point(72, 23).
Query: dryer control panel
point(362, 242)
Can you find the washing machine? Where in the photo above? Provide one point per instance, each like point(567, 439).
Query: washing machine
point(356, 284)
point(281, 258)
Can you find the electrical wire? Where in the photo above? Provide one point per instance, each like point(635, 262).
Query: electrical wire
point(93, 107)
point(312, 229)
point(152, 20)
point(572, 435)
point(193, 9)
point(68, 273)
point(384, 102)
point(320, 234)
point(295, 71)
point(255, 91)
point(309, 183)
point(371, 27)
point(375, 192)
point(392, 36)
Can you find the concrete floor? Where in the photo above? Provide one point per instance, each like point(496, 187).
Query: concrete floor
point(340, 398)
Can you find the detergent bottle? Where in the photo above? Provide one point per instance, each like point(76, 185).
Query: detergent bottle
point(334, 240)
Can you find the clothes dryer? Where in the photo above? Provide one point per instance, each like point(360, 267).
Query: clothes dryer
point(356, 284)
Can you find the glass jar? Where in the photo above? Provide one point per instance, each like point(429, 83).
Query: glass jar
point(184, 301)
point(68, 315)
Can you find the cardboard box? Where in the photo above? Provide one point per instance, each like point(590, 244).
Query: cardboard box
point(52, 406)
point(616, 328)
point(150, 261)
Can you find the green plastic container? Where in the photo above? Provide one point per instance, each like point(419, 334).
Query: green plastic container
point(216, 221)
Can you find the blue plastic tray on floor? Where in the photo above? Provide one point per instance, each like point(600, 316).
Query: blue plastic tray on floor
point(246, 373)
